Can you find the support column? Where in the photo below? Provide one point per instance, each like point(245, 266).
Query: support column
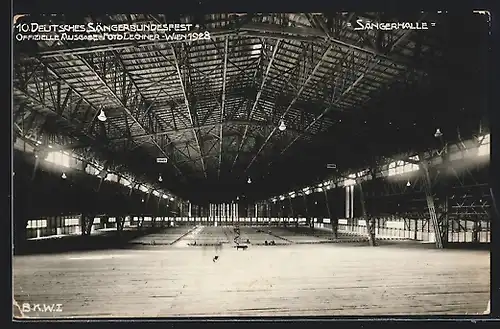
point(278, 212)
point(347, 203)
point(210, 213)
point(181, 210)
point(476, 229)
point(87, 220)
point(333, 222)
point(256, 212)
point(370, 222)
point(268, 210)
point(308, 218)
point(352, 202)
point(237, 212)
point(189, 211)
point(445, 220)
point(120, 221)
point(431, 206)
point(292, 212)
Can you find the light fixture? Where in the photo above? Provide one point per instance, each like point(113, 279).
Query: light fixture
point(63, 176)
point(438, 133)
point(102, 116)
point(160, 179)
point(282, 126)
point(249, 181)
point(142, 200)
point(408, 183)
point(237, 198)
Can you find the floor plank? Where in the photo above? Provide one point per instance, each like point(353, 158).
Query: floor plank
point(297, 279)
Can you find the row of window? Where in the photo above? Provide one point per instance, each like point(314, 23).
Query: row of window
point(37, 223)
point(394, 168)
point(64, 159)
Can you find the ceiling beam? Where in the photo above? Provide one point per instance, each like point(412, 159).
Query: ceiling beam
point(54, 111)
point(188, 108)
point(126, 109)
point(178, 131)
point(226, 49)
point(257, 97)
point(299, 92)
point(373, 62)
point(260, 30)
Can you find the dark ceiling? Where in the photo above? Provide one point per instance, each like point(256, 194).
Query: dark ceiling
point(213, 107)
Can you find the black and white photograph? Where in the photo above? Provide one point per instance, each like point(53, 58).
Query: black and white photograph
point(234, 164)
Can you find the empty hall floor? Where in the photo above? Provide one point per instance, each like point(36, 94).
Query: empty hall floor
point(281, 280)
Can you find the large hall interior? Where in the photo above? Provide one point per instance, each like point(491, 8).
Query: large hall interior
point(255, 164)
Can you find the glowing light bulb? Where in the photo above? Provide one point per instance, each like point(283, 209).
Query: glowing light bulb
point(160, 179)
point(102, 117)
point(63, 176)
point(282, 126)
point(249, 181)
point(408, 183)
point(438, 133)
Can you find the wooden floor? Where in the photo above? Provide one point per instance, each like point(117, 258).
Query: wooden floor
point(296, 279)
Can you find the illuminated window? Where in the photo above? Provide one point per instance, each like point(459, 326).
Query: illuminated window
point(124, 181)
point(143, 189)
point(37, 223)
point(111, 219)
point(486, 139)
point(399, 167)
point(97, 220)
point(91, 170)
point(156, 193)
point(484, 148)
point(392, 168)
point(71, 221)
point(112, 178)
point(349, 182)
point(59, 158)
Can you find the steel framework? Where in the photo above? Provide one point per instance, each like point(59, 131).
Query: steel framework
point(212, 107)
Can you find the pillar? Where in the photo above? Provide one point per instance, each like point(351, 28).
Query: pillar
point(333, 223)
point(370, 222)
point(431, 205)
